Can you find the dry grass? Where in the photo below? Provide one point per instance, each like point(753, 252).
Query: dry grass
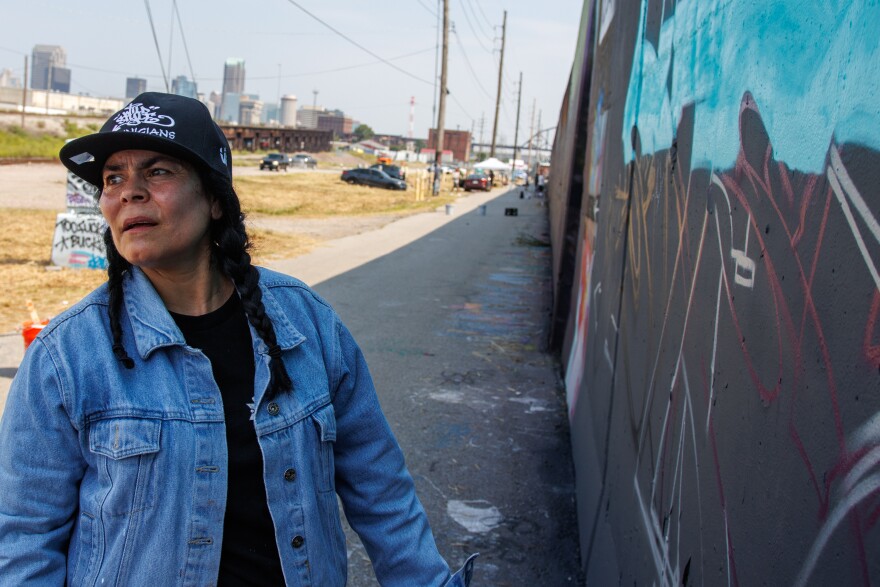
point(322, 194)
point(25, 246)
point(26, 236)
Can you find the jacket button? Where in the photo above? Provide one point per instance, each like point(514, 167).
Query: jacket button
point(297, 541)
point(273, 409)
point(290, 474)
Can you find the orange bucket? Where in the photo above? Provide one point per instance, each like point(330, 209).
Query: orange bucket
point(30, 331)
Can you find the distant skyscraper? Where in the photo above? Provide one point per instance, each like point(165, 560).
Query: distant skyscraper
point(8, 80)
point(249, 111)
point(271, 114)
point(60, 80)
point(307, 116)
point(184, 87)
point(134, 86)
point(233, 76)
point(44, 59)
point(215, 100)
point(229, 108)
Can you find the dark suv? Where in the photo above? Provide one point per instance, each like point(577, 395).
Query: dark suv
point(274, 162)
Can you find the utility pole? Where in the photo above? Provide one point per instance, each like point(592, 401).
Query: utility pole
point(532, 131)
point(24, 93)
point(436, 58)
point(500, 76)
point(539, 141)
point(516, 129)
point(482, 123)
point(441, 115)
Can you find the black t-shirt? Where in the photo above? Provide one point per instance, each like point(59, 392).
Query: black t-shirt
point(250, 555)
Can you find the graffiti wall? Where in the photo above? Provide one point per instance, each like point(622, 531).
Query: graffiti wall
point(722, 346)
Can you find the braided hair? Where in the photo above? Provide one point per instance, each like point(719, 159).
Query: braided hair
point(229, 253)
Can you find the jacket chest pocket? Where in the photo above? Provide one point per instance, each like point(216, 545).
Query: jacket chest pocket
point(126, 451)
point(324, 420)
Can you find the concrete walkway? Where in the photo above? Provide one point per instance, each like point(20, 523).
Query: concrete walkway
point(452, 313)
point(326, 261)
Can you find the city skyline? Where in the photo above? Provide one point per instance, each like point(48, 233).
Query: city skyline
point(371, 70)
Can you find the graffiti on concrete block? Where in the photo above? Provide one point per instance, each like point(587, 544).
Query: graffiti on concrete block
point(80, 193)
point(78, 241)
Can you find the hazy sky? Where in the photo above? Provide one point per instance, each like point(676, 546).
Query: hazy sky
point(286, 51)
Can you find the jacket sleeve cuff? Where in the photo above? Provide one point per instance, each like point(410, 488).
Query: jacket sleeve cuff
point(462, 578)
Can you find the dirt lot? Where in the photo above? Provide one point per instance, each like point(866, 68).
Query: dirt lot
point(43, 186)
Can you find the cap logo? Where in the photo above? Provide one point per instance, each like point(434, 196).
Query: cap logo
point(136, 114)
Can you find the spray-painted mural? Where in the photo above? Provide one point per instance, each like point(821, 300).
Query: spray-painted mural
point(722, 352)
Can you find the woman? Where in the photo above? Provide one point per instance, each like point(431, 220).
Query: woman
point(191, 421)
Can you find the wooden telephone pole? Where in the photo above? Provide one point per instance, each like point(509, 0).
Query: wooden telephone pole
point(516, 130)
point(500, 76)
point(441, 114)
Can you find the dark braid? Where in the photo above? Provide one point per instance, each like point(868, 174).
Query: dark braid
point(116, 268)
point(230, 254)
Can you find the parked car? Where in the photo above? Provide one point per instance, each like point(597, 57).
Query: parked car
point(392, 170)
point(303, 160)
point(275, 162)
point(477, 181)
point(372, 177)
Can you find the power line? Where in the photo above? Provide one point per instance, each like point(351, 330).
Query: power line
point(359, 46)
point(454, 99)
point(291, 75)
point(335, 69)
point(183, 38)
point(426, 7)
point(476, 34)
point(13, 51)
point(471, 67)
point(488, 22)
point(490, 36)
point(156, 40)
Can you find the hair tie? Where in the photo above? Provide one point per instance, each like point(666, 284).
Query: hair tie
point(275, 351)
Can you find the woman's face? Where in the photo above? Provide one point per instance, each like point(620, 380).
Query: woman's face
point(157, 211)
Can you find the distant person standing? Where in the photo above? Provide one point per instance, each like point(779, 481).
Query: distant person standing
point(491, 179)
point(540, 181)
point(456, 177)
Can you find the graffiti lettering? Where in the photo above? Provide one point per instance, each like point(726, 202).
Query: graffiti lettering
point(79, 241)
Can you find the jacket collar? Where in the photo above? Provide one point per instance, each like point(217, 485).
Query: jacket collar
point(153, 327)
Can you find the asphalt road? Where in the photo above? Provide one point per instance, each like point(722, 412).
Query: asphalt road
point(452, 311)
point(453, 326)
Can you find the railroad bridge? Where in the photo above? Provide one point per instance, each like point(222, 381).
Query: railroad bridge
point(285, 140)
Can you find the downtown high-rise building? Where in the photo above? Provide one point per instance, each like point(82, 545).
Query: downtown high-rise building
point(134, 86)
point(184, 87)
point(233, 76)
point(48, 68)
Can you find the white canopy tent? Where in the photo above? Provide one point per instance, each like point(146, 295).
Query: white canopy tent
point(493, 164)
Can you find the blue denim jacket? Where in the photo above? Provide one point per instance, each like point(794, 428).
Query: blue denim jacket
point(111, 476)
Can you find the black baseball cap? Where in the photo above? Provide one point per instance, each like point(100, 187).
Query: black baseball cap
point(166, 123)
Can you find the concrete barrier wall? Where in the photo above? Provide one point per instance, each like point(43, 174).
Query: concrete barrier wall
point(722, 346)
